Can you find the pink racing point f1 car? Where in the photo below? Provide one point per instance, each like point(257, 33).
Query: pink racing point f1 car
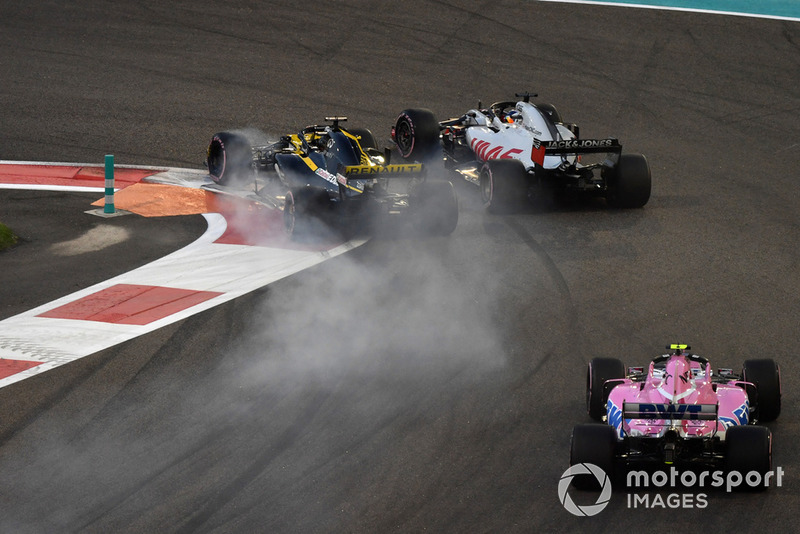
point(678, 411)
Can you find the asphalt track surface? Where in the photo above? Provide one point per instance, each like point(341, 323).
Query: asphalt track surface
point(413, 384)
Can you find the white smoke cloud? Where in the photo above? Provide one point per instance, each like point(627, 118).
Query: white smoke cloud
point(351, 317)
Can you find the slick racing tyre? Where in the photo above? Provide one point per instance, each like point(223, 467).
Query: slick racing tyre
point(504, 185)
point(434, 207)
point(551, 111)
point(766, 398)
point(594, 444)
point(749, 448)
point(416, 134)
point(628, 184)
point(366, 139)
point(600, 370)
point(230, 158)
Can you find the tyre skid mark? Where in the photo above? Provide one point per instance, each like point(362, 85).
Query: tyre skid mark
point(558, 279)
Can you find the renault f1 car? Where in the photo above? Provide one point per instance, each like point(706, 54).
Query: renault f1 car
point(678, 411)
point(521, 151)
point(326, 174)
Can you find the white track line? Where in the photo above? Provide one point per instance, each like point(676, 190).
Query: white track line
point(203, 265)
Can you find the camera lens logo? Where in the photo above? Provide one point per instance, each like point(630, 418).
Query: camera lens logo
point(602, 500)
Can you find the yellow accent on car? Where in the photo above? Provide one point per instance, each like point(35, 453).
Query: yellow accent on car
point(362, 155)
point(298, 146)
point(308, 161)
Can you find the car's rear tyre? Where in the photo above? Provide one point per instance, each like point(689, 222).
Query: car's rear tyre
point(504, 185)
point(598, 371)
point(593, 444)
point(766, 399)
point(551, 111)
point(434, 206)
point(367, 140)
point(416, 134)
point(748, 448)
point(229, 158)
point(630, 182)
point(306, 213)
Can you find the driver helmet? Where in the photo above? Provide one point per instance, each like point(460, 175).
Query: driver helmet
point(513, 116)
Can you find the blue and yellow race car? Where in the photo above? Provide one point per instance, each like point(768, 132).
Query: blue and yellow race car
point(326, 176)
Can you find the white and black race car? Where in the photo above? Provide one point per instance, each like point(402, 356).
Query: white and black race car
point(521, 151)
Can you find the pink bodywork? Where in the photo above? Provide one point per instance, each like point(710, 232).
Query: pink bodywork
point(679, 387)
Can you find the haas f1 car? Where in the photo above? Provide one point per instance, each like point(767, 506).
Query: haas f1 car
point(521, 151)
point(326, 175)
point(678, 411)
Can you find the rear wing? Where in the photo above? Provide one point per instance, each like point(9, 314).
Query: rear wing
point(574, 147)
point(382, 171)
point(671, 412)
point(582, 146)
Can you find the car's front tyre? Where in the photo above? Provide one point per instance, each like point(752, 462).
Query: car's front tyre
point(598, 371)
point(766, 375)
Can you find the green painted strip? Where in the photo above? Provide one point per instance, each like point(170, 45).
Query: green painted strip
point(765, 8)
point(109, 204)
